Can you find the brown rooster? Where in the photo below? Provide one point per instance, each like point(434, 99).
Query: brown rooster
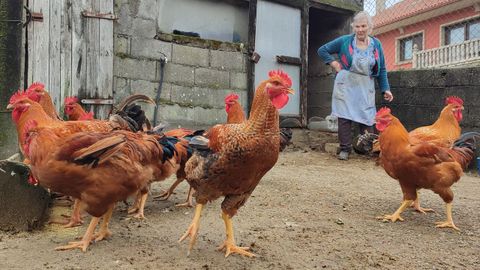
point(25, 110)
point(101, 169)
point(421, 165)
point(36, 91)
point(235, 115)
point(74, 111)
point(231, 159)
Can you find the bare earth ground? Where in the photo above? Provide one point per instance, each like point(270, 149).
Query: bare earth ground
point(310, 211)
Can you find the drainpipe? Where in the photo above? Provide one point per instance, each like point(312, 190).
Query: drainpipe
point(163, 61)
point(10, 68)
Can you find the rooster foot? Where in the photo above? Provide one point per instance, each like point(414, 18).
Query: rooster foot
point(232, 248)
point(102, 234)
point(446, 224)
point(185, 204)
point(164, 196)
point(83, 245)
point(132, 210)
point(423, 210)
point(67, 223)
point(139, 215)
point(391, 218)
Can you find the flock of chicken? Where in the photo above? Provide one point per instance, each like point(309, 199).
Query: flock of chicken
point(102, 162)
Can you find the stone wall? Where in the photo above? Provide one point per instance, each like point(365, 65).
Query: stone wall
point(420, 94)
point(197, 76)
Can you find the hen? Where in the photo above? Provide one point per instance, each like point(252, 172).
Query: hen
point(422, 165)
point(74, 111)
point(231, 159)
point(36, 91)
point(25, 110)
point(101, 168)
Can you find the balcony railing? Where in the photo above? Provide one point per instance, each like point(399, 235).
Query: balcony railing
point(450, 55)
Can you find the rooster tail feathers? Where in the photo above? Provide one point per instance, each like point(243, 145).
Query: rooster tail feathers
point(463, 150)
point(133, 113)
point(365, 143)
point(168, 147)
point(286, 135)
point(100, 151)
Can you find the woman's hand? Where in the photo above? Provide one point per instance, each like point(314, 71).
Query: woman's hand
point(388, 96)
point(336, 65)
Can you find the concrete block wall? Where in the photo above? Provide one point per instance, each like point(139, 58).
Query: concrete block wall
point(197, 76)
point(420, 95)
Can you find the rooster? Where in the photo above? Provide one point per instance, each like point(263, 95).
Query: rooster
point(74, 111)
point(421, 165)
point(102, 168)
point(36, 91)
point(235, 115)
point(231, 159)
point(25, 110)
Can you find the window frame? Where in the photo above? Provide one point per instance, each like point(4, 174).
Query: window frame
point(464, 21)
point(398, 51)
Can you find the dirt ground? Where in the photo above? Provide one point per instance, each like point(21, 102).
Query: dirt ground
point(310, 211)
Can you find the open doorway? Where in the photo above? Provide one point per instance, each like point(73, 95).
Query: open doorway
point(324, 26)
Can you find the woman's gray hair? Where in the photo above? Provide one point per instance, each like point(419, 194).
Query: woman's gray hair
point(363, 15)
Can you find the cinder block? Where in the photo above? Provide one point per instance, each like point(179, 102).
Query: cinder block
point(209, 116)
point(238, 80)
point(188, 55)
point(23, 206)
point(227, 60)
point(143, 28)
point(211, 78)
point(121, 44)
point(178, 74)
point(147, 9)
point(151, 48)
point(134, 68)
point(121, 88)
point(151, 88)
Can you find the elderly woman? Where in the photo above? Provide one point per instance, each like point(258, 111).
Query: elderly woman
point(361, 61)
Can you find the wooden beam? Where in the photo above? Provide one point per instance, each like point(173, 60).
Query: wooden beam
point(252, 24)
point(304, 64)
point(289, 60)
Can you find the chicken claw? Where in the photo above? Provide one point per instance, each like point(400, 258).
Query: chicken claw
point(232, 248)
point(83, 245)
point(164, 196)
point(446, 224)
point(418, 208)
point(391, 218)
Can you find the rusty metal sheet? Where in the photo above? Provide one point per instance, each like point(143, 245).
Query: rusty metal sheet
point(105, 16)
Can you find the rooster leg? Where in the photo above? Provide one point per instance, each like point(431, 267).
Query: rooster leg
point(418, 208)
point(396, 216)
point(74, 220)
point(449, 223)
point(229, 243)
point(87, 238)
point(141, 207)
point(136, 205)
point(189, 201)
point(104, 232)
point(165, 195)
point(192, 230)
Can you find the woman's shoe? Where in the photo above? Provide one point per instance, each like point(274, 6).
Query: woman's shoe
point(343, 155)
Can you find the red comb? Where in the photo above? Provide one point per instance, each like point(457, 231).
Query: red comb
point(454, 100)
point(232, 96)
point(383, 111)
point(71, 100)
point(35, 85)
point(19, 95)
point(283, 75)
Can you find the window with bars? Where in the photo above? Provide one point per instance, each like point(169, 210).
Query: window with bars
point(407, 44)
point(461, 32)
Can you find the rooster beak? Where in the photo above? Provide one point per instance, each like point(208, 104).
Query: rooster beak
point(9, 107)
point(291, 91)
point(463, 108)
